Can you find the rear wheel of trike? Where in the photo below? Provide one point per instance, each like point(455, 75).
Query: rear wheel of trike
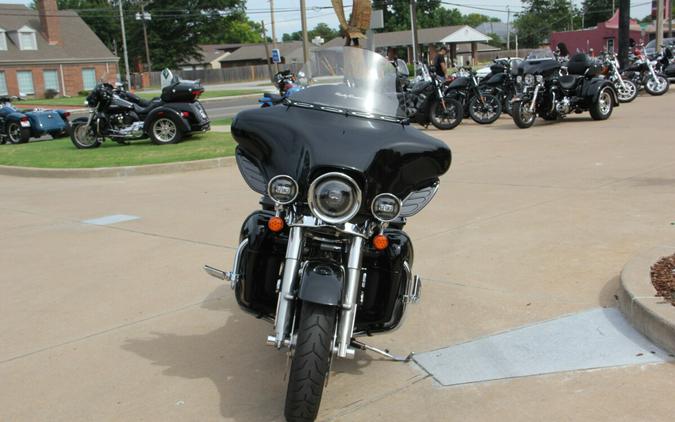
point(83, 136)
point(17, 134)
point(522, 116)
point(311, 362)
point(165, 130)
point(603, 106)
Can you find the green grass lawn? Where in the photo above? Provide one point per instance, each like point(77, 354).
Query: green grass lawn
point(61, 153)
point(223, 121)
point(79, 101)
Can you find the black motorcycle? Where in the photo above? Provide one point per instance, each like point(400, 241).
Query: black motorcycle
point(643, 72)
point(482, 106)
point(547, 92)
point(326, 259)
point(625, 88)
point(501, 81)
point(122, 116)
point(665, 64)
point(424, 102)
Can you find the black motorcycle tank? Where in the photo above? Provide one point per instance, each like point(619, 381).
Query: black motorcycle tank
point(304, 143)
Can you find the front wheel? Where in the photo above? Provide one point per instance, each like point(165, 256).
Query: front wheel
point(522, 116)
point(603, 106)
point(17, 134)
point(658, 86)
point(83, 136)
point(311, 362)
point(446, 114)
point(629, 91)
point(165, 130)
point(485, 109)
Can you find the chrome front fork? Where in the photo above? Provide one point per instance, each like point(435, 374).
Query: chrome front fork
point(288, 282)
point(534, 98)
point(348, 313)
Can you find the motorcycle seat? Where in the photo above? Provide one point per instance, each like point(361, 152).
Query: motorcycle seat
point(569, 81)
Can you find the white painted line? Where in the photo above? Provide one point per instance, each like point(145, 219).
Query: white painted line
point(111, 219)
point(598, 338)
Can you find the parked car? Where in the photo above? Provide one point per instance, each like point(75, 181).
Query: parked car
point(18, 126)
point(651, 50)
point(512, 62)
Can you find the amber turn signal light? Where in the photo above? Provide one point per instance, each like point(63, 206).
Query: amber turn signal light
point(276, 224)
point(380, 242)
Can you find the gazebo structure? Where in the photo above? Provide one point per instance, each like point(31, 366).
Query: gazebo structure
point(450, 36)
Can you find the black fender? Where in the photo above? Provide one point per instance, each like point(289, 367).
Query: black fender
point(165, 110)
point(80, 120)
point(322, 283)
point(590, 91)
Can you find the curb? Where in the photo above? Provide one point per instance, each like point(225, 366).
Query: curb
point(150, 169)
point(649, 314)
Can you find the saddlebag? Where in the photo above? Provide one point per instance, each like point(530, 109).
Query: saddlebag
point(182, 92)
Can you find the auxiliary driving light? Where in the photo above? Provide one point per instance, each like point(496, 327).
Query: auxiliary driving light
point(386, 207)
point(282, 189)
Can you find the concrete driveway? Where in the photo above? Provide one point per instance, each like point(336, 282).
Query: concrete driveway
point(118, 322)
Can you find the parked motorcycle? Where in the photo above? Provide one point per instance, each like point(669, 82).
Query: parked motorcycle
point(643, 73)
point(18, 126)
point(547, 93)
point(326, 259)
point(424, 102)
point(483, 107)
point(501, 81)
point(665, 63)
point(625, 88)
point(287, 84)
point(121, 116)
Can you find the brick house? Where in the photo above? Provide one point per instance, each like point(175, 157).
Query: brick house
point(49, 49)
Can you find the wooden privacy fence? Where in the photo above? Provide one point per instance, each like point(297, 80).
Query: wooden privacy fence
point(229, 74)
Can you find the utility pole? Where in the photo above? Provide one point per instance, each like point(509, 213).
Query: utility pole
point(508, 29)
point(267, 50)
point(659, 24)
point(143, 16)
point(413, 28)
point(624, 31)
point(124, 44)
point(305, 42)
point(274, 31)
point(571, 16)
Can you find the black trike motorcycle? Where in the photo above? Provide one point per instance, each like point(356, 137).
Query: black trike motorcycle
point(551, 93)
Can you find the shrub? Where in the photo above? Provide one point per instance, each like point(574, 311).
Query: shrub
point(51, 93)
point(83, 93)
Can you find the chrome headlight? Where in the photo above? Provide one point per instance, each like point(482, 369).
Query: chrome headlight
point(334, 198)
point(282, 189)
point(386, 207)
point(529, 79)
point(540, 78)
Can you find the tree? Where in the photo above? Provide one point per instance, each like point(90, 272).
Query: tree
point(321, 30)
point(495, 40)
point(541, 17)
point(596, 11)
point(475, 19)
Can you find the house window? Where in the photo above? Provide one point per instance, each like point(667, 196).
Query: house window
point(51, 78)
point(3, 40)
point(3, 84)
point(27, 41)
point(88, 79)
point(25, 80)
point(610, 45)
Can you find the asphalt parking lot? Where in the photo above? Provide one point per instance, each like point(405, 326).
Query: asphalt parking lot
point(118, 321)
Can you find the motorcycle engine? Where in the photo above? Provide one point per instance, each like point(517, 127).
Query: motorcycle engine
point(563, 106)
point(121, 121)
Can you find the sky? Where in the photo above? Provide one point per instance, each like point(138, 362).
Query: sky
point(287, 14)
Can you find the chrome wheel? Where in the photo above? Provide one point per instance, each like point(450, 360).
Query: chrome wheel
point(14, 133)
point(526, 115)
point(84, 136)
point(626, 93)
point(605, 102)
point(657, 85)
point(165, 130)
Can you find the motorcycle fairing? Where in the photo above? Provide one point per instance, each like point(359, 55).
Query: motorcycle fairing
point(302, 143)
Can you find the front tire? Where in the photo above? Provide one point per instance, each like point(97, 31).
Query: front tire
point(658, 87)
point(17, 134)
point(165, 130)
point(449, 117)
point(602, 108)
point(629, 93)
point(311, 362)
point(486, 111)
point(522, 116)
point(83, 136)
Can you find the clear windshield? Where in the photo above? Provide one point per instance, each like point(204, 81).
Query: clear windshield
point(350, 80)
point(540, 54)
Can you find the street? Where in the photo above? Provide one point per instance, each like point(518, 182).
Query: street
point(115, 319)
